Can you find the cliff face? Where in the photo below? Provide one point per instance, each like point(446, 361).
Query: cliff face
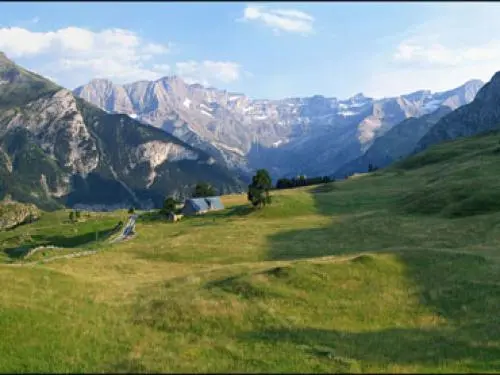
point(57, 149)
point(481, 115)
point(311, 135)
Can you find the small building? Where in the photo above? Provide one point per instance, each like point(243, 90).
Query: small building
point(173, 217)
point(199, 206)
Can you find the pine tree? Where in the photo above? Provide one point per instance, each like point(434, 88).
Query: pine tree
point(258, 190)
point(168, 205)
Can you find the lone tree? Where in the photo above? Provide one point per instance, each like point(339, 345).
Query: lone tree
point(372, 168)
point(258, 190)
point(78, 215)
point(203, 189)
point(131, 210)
point(168, 205)
point(72, 216)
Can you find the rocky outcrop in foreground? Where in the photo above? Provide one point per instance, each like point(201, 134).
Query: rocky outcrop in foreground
point(13, 214)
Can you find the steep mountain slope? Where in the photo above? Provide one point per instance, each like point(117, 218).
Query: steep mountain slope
point(482, 115)
point(328, 150)
point(314, 135)
point(58, 149)
point(19, 86)
point(395, 144)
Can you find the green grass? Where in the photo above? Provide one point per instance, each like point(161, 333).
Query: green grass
point(394, 271)
point(55, 229)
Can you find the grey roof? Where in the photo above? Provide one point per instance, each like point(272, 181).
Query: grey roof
point(204, 204)
point(199, 204)
point(215, 203)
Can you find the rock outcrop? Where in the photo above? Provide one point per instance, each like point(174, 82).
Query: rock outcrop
point(13, 214)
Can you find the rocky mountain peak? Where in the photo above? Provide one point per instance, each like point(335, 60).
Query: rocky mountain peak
point(5, 64)
point(359, 96)
point(480, 115)
point(491, 90)
point(101, 81)
point(4, 59)
point(474, 82)
point(81, 155)
point(247, 133)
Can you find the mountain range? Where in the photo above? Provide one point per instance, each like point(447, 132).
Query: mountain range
point(312, 136)
point(57, 149)
point(104, 144)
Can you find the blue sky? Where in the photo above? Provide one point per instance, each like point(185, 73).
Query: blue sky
point(265, 50)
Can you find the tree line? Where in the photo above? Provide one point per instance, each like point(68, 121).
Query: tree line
point(257, 193)
point(288, 183)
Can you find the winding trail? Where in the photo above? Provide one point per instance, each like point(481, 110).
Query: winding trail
point(128, 232)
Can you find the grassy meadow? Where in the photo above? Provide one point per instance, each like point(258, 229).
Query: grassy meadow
point(393, 271)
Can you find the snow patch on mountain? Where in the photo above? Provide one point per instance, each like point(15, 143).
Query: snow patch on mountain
point(432, 105)
point(205, 107)
point(347, 113)
point(207, 114)
point(260, 117)
point(228, 148)
point(280, 142)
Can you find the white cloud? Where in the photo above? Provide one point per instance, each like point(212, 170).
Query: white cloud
point(75, 55)
point(74, 41)
point(162, 67)
point(288, 20)
point(455, 46)
point(205, 71)
point(438, 54)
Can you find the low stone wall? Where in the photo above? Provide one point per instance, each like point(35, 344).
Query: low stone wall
point(39, 248)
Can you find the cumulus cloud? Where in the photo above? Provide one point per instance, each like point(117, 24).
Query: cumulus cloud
point(75, 41)
point(287, 20)
point(75, 55)
point(440, 53)
point(82, 54)
point(205, 71)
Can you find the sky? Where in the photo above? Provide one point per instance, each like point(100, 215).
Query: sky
point(267, 50)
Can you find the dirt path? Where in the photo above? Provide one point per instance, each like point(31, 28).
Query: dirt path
point(127, 231)
point(125, 235)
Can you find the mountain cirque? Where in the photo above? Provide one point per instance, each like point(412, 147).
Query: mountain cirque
point(312, 136)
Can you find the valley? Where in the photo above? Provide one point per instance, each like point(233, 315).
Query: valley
point(204, 192)
point(393, 271)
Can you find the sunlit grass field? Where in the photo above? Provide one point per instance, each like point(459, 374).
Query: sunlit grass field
point(395, 271)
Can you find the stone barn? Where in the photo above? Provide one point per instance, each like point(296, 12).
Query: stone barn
point(199, 206)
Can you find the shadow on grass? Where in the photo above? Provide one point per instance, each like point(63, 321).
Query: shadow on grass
point(62, 241)
point(235, 211)
point(388, 347)
point(324, 188)
point(462, 288)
